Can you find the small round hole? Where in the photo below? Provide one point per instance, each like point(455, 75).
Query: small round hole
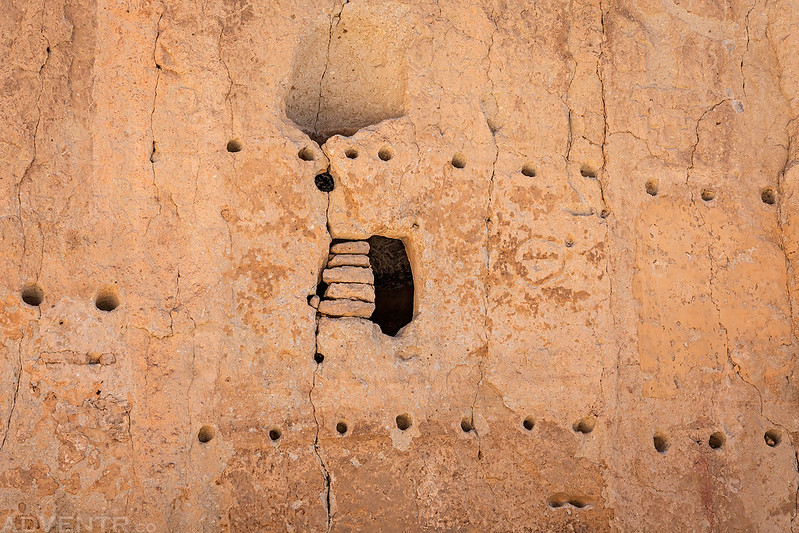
point(234, 145)
point(716, 440)
point(32, 294)
point(341, 427)
point(385, 153)
point(768, 195)
point(459, 160)
point(205, 434)
point(708, 194)
point(605, 213)
point(466, 425)
point(318, 358)
point(529, 423)
point(587, 171)
point(528, 170)
point(306, 154)
point(772, 437)
point(351, 153)
point(569, 240)
point(404, 421)
point(107, 299)
point(585, 425)
point(274, 434)
point(661, 442)
point(652, 186)
point(324, 182)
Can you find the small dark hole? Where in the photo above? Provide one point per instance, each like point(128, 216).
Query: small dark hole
point(205, 434)
point(274, 434)
point(341, 427)
point(32, 294)
point(324, 182)
point(652, 187)
point(529, 170)
point(772, 437)
point(234, 146)
point(459, 160)
point(466, 425)
point(351, 153)
point(585, 425)
point(98, 393)
point(769, 196)
point(661, 442)
point(716, 440)
point(708, 194)
point(306, 154)
point(107, 299)
point(403, 421)
point(529, 423)
point(385, 154)
point(587, 171)
point(318, 358)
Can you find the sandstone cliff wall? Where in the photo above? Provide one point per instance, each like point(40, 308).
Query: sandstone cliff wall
point(598, 201)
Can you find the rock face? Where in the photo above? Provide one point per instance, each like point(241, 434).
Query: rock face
point(598, 203)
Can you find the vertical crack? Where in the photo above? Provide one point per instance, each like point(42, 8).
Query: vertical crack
point(746, 50)
point(14, 397)
point(602, 92)
point(334, 20)
point(326, 477)
point(153, 152)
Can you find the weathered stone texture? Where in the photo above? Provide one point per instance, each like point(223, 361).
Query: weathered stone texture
point(580, 190)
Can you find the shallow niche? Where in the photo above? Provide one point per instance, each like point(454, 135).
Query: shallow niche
point(368, 279)
point(350, 74)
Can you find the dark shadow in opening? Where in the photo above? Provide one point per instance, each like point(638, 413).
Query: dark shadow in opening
point(393, 284)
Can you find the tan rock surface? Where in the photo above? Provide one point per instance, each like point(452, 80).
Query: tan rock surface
point(350, 247)
point(355, 291)
point(348, 260)
point(348, 274)
point(598, 201)
point(346, 307)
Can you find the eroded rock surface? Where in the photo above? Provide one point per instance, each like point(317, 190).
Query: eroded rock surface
point(593, 208)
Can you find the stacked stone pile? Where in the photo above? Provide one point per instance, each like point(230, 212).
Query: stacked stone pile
point(350, 290)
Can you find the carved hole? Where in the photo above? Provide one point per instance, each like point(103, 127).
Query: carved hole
point(234, 145)
point(708, 194)
point(652, 186)
point(275, 434)
point(324, 182)
point(394, 291)
point(206, 433)
point(32, 294)
point(459, 160)
point(351, 153)
point(529, 423)
point(772, 437)
point(466, 425)
point(661, 442)
point(107, 299)
point(306, 154)
point(588, 171)
point(385, 153)
point(768, 195)
point(318, 358)
point(404, 421)
point(341, 427)
point(585, 425)
point(528, 170)
point(716, 440)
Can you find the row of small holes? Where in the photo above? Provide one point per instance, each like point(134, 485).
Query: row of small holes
point(772, 437)
point(207, 433)
point(767, 195)
point(106, 300)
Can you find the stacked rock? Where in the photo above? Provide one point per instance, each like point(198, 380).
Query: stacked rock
point(350, 290)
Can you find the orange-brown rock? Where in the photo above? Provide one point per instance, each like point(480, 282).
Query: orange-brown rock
point(597, 329)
